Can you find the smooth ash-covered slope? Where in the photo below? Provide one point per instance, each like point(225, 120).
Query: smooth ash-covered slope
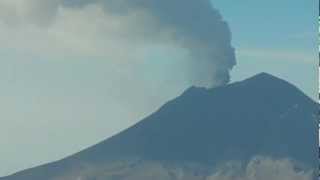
point(262, 115)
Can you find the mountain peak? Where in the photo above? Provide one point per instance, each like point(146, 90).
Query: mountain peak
point(263, 77)
point(258, 116)
point(264, 74)
point(265, 83)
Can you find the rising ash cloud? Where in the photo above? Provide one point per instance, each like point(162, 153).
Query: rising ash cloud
point(194, 27)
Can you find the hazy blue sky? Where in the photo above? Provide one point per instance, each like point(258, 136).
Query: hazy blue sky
point(278, 37)
point(61, 90)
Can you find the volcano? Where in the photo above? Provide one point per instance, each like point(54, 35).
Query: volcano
point(260, 116)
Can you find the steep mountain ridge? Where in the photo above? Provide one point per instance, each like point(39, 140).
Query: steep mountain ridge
point(262, 115)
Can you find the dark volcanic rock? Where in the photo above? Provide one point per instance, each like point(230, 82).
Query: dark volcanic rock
point(262, 115)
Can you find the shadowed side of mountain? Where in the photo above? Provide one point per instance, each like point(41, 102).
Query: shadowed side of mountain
point(262, 115)
point(208, 126)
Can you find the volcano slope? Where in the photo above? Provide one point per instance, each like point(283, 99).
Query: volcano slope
point(191, 136)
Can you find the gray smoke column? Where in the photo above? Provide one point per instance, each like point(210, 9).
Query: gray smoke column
point(114, 29)
point(194, 25)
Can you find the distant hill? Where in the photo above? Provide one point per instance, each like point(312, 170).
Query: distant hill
point(202, 128)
